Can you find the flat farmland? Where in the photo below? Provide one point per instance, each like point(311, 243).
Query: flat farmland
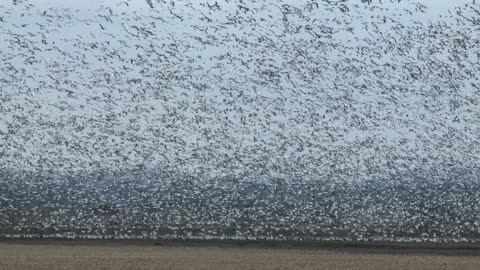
point(65, 255)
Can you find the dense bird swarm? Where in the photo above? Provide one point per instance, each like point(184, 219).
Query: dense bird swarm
point(238, 119)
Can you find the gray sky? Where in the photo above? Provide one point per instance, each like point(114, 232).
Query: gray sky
point(435, 5)
point(80, 40)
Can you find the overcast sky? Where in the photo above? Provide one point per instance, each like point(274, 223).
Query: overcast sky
point(435, 5)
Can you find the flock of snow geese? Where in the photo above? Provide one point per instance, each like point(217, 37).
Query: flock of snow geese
point(240, 119)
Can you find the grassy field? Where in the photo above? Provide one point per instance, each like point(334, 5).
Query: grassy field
point(64, 255)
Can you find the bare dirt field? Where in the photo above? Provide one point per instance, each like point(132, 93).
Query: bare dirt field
point(52, 255)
